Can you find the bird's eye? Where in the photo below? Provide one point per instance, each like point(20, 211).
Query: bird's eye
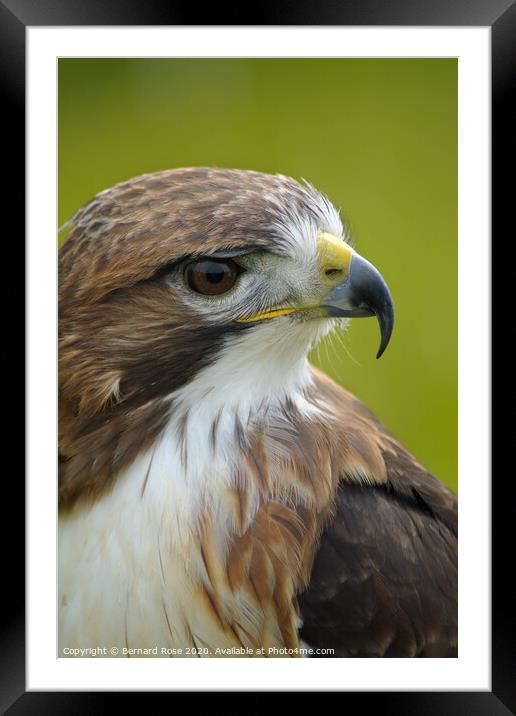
point(212, 277)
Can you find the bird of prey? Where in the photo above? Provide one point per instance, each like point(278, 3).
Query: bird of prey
point(218, 495)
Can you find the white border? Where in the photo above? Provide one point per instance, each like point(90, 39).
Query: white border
point(472, 669)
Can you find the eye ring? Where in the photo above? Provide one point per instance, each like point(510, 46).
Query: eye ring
point(210, 276)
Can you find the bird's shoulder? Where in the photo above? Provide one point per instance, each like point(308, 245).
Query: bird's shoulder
point(384, 578)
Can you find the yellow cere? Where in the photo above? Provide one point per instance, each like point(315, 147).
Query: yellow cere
point(334, 258)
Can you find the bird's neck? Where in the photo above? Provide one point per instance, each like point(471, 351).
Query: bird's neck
point(224, 509)
point(265, 367)
point(214, 436)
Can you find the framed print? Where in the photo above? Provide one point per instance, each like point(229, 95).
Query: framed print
point(193, 176)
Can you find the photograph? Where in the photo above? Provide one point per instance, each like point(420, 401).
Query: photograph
point(245, 470)
point(258, 313)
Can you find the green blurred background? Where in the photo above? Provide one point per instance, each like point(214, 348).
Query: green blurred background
point(378, 136)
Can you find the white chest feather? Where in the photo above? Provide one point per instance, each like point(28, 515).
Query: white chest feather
point(130, 566)
point(127, 563)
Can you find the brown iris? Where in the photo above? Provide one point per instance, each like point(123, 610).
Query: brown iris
point(212, 277)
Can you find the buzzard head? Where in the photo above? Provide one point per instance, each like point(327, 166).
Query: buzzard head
point(171, 273)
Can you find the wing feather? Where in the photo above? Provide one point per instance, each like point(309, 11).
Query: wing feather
point(384, 579)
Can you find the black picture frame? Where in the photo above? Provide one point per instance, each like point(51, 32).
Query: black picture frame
point(500, 15)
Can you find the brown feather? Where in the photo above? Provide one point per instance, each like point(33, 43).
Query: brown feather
point(384, 581)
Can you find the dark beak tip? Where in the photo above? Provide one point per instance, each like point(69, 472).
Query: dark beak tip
point(381, 351)
point(386, 323)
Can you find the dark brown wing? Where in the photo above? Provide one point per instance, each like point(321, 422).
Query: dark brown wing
point(384, 580)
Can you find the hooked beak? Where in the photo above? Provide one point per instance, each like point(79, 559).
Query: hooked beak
point(363, 292)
